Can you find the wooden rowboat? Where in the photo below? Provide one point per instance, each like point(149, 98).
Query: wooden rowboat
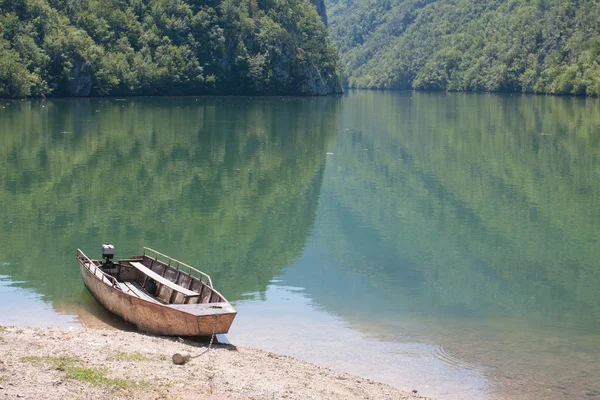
point(157, 293)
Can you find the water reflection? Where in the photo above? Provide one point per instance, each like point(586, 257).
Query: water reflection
point(469, 222)
point(91, 314)
point(445, 241)
point(227, 184)
point(25, 307)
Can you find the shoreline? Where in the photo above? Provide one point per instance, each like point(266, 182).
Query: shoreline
point(76, 363)
point(288, 96)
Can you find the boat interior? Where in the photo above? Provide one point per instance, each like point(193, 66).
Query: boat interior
point(156, 278)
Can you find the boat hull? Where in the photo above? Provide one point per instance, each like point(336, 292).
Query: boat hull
point(156, 318)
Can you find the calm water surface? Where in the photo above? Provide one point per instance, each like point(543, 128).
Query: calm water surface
point(444, 242)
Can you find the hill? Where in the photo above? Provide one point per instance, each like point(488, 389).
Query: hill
point(535, 46)
point(167, 47)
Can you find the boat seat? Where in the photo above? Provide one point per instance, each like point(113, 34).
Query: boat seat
point(135, 289)
point(161, 279)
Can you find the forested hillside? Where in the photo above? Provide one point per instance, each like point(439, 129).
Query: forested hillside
point(166, 47)
point(539, 46)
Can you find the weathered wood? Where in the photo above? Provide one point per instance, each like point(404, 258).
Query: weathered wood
point(162, 280)
point(138, 307)
point(136, 289)
point(181, 358)
point(172, 260)
point(206, 308)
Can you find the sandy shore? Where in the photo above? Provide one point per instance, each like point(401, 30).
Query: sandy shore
point(84, 363)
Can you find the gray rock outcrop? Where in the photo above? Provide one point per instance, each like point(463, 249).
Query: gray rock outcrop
point(321, 9)
point(80, 79)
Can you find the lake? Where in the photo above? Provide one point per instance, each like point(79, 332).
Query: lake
point(447, 243)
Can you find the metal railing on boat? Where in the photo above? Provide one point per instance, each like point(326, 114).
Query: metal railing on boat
point(88, 263)
point(171, 260)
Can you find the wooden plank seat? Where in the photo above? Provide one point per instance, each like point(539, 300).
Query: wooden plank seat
point(135, 289)
point(161, 279)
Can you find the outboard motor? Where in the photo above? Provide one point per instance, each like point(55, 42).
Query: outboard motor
point(108, 253)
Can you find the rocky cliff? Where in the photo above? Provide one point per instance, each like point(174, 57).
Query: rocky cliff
point(114, 48)
point(321, 9)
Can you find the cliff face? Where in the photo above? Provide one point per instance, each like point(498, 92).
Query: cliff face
point(113, 48)
point(321, 9)
point(332, 81)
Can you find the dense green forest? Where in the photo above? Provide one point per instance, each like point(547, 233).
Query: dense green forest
point(168, 47)
point(537, 46)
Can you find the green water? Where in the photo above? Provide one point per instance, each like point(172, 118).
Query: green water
point(465, 224)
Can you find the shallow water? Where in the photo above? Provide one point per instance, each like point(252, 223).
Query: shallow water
point(440, 242)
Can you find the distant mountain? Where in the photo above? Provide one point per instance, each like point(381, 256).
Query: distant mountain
point(538, 46)
point(165, 47)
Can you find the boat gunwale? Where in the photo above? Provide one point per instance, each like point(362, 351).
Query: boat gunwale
point(202, 274)
point(148, 316)
point(90, 262)
point(115, 283)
